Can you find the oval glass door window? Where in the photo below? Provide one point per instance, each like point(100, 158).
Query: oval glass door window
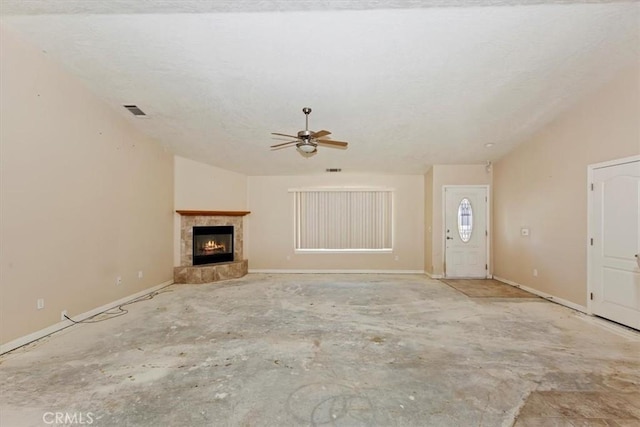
point(465, 220)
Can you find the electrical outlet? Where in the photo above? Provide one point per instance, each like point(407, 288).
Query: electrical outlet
point(118, 280)
point(535, 272)
point(40, 303)
point(524, 231)
point(63, 314)
point(397, 258)
point(140, 274)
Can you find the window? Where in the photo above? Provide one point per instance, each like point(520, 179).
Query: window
point(465, 220)
point(343, 219)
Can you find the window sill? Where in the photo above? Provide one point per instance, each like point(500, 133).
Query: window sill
point(342, 251)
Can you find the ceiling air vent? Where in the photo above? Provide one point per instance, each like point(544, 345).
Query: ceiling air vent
point(133, 109)
point(333, 170)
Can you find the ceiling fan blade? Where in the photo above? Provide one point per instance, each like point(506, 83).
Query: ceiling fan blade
point(320, 134)
point(284, 134)
point(283, 147)
point(284, 143)
point(330, 142)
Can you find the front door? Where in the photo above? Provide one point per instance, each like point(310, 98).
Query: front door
point(465, 232)
point(615, 230)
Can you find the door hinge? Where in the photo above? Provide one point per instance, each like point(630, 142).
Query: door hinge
point(591, 296)
point(486, 233)
point(592, 186)
point(486, 267)
point(591, 240)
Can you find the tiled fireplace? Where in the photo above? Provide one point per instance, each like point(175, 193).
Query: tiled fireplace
point(218, 246)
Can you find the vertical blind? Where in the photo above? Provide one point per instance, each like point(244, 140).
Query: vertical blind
point(343, 219)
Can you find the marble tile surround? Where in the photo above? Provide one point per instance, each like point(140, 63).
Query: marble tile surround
point(186, 234)
point(207, 273)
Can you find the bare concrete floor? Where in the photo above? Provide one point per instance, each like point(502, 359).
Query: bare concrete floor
point(329, 350)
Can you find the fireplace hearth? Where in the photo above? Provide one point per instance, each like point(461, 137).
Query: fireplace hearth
point(212, 244)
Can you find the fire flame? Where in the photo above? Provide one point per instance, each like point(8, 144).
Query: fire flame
point(211, 245)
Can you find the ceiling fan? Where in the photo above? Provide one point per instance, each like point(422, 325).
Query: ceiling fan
point(307, 141)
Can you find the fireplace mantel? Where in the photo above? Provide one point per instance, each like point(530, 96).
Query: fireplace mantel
point(212, 213)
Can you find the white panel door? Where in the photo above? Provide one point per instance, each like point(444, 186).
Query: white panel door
point(615, 229)
point(465, 232)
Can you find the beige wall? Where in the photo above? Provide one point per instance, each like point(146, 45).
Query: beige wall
point(542, 185)
point(448, 175)
point(271, 224)
point(84, 197)
point(198, 186)
point(428, 221)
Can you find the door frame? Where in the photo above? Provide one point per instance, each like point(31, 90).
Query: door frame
point(487, 188)
point(590, 226)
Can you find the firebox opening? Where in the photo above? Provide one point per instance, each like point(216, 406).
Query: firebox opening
point(212, 244)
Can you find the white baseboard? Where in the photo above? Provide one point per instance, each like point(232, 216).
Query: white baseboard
point(286, 271)
point(19, 342)
point(544, 295)
point(434, 276)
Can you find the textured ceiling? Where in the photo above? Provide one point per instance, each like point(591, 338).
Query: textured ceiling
point(407, 83)
point(25, 7)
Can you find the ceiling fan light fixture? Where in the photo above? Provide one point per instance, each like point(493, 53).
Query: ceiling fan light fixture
point(306, 147)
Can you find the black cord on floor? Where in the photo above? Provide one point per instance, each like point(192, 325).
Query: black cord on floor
point(121, 311)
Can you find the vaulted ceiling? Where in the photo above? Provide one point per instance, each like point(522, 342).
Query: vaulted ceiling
point(407, 83)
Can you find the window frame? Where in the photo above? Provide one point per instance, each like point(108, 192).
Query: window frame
point(296, 220)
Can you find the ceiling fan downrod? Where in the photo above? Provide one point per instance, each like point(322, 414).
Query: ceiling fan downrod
point(305, 134)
